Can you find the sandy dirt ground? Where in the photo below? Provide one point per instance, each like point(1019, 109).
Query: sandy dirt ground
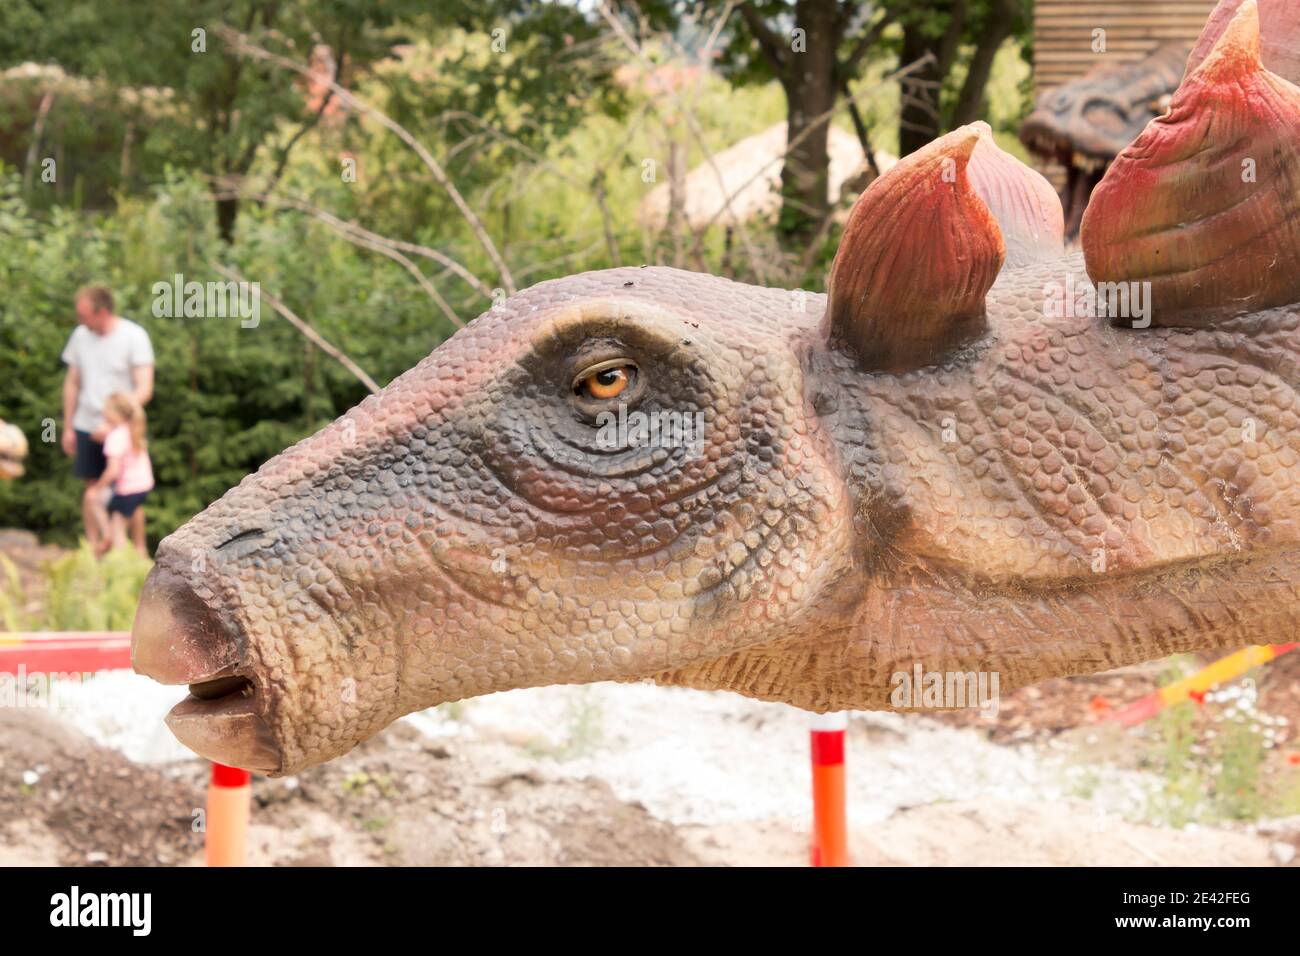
point(601, 775)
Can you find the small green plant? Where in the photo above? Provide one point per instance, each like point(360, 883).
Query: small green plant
point(1241, 750)
point(1183, 789)
point(84, 593)
point(1085, 783)
point(355, 784)
point(452, 710)
point(1215, 761)
point(13, 617)
point(582, 728)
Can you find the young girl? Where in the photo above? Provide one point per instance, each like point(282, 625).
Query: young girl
point(129, 473)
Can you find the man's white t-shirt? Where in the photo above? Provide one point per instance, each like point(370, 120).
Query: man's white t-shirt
point(105, 363)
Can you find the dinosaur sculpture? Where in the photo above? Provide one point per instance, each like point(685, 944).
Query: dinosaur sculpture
point(13, 449)
point(964, 457)
point(1084, 124)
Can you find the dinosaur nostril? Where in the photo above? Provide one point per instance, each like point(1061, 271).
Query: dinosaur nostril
point(241, 536)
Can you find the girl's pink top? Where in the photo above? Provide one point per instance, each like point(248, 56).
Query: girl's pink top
point(137, 471)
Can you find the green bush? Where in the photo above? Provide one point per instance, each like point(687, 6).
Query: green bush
point(79, 592)
point(226, 398)
point(84, 593)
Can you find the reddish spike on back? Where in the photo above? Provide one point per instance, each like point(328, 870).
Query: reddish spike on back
point(919, 254)
point(1023, 202)
point(1205, 204)
point(1279, 28)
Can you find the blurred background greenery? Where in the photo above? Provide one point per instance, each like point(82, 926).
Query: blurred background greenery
point(543, 115)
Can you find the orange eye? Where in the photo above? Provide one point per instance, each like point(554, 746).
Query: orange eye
point(606, 383)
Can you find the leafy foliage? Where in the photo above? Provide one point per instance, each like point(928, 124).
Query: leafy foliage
point(79, 592)
point(545, 122)
point(228, 397)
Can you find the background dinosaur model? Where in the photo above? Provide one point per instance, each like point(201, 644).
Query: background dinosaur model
point(1083, 125)
point(967, 456)
point(13, 449)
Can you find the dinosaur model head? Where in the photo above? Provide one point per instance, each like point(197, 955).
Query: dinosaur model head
point(1084, 124)
point(971, 456)
point(13, 449)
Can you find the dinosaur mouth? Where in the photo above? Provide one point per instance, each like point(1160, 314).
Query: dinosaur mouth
point(178, 639)
point(220, 720)
point(1084, 170)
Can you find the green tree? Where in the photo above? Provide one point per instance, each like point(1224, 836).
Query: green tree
point(816, 48)
point(222, 108)
point(942, 35)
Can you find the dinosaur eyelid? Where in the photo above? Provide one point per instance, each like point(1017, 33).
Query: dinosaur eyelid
point(605, 380)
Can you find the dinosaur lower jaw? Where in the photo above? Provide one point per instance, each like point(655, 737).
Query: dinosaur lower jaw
point(1082, 177)
point(220, 721)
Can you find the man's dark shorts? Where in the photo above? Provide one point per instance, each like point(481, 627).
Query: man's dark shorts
point(89, 462)
point(125, 505)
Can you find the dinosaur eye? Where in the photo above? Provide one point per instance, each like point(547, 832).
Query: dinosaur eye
point(605, 381)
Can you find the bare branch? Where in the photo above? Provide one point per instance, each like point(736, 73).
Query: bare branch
point(351, 229)
point(693, 125)
point(860, 127)
point(310, 333)
point(308, 126)
point(817, 121)
point(38, 131)
point(768, 42)
point(849, 68)
point(243, 45)
point(363, 238)
point(611, 241)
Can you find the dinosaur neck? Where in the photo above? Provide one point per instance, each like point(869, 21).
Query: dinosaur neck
point(948, 629)
point(1060, 498)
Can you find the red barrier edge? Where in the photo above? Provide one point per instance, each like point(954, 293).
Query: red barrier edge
point(65, 651)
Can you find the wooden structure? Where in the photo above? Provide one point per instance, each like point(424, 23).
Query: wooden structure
point(1064, 33)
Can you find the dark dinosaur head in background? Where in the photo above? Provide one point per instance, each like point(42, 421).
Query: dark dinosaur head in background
point(1086, 123)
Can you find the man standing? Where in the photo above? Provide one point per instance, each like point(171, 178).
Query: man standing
point(105, 354)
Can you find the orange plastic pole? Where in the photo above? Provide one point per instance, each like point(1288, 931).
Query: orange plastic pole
point(830, 843)
point(230, 801)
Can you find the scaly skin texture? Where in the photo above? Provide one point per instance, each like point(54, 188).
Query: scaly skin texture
point(1097, 500)
point(378, 537)
point(1020, 491)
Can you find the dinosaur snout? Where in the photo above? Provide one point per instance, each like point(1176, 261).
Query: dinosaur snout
point(179, 639)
